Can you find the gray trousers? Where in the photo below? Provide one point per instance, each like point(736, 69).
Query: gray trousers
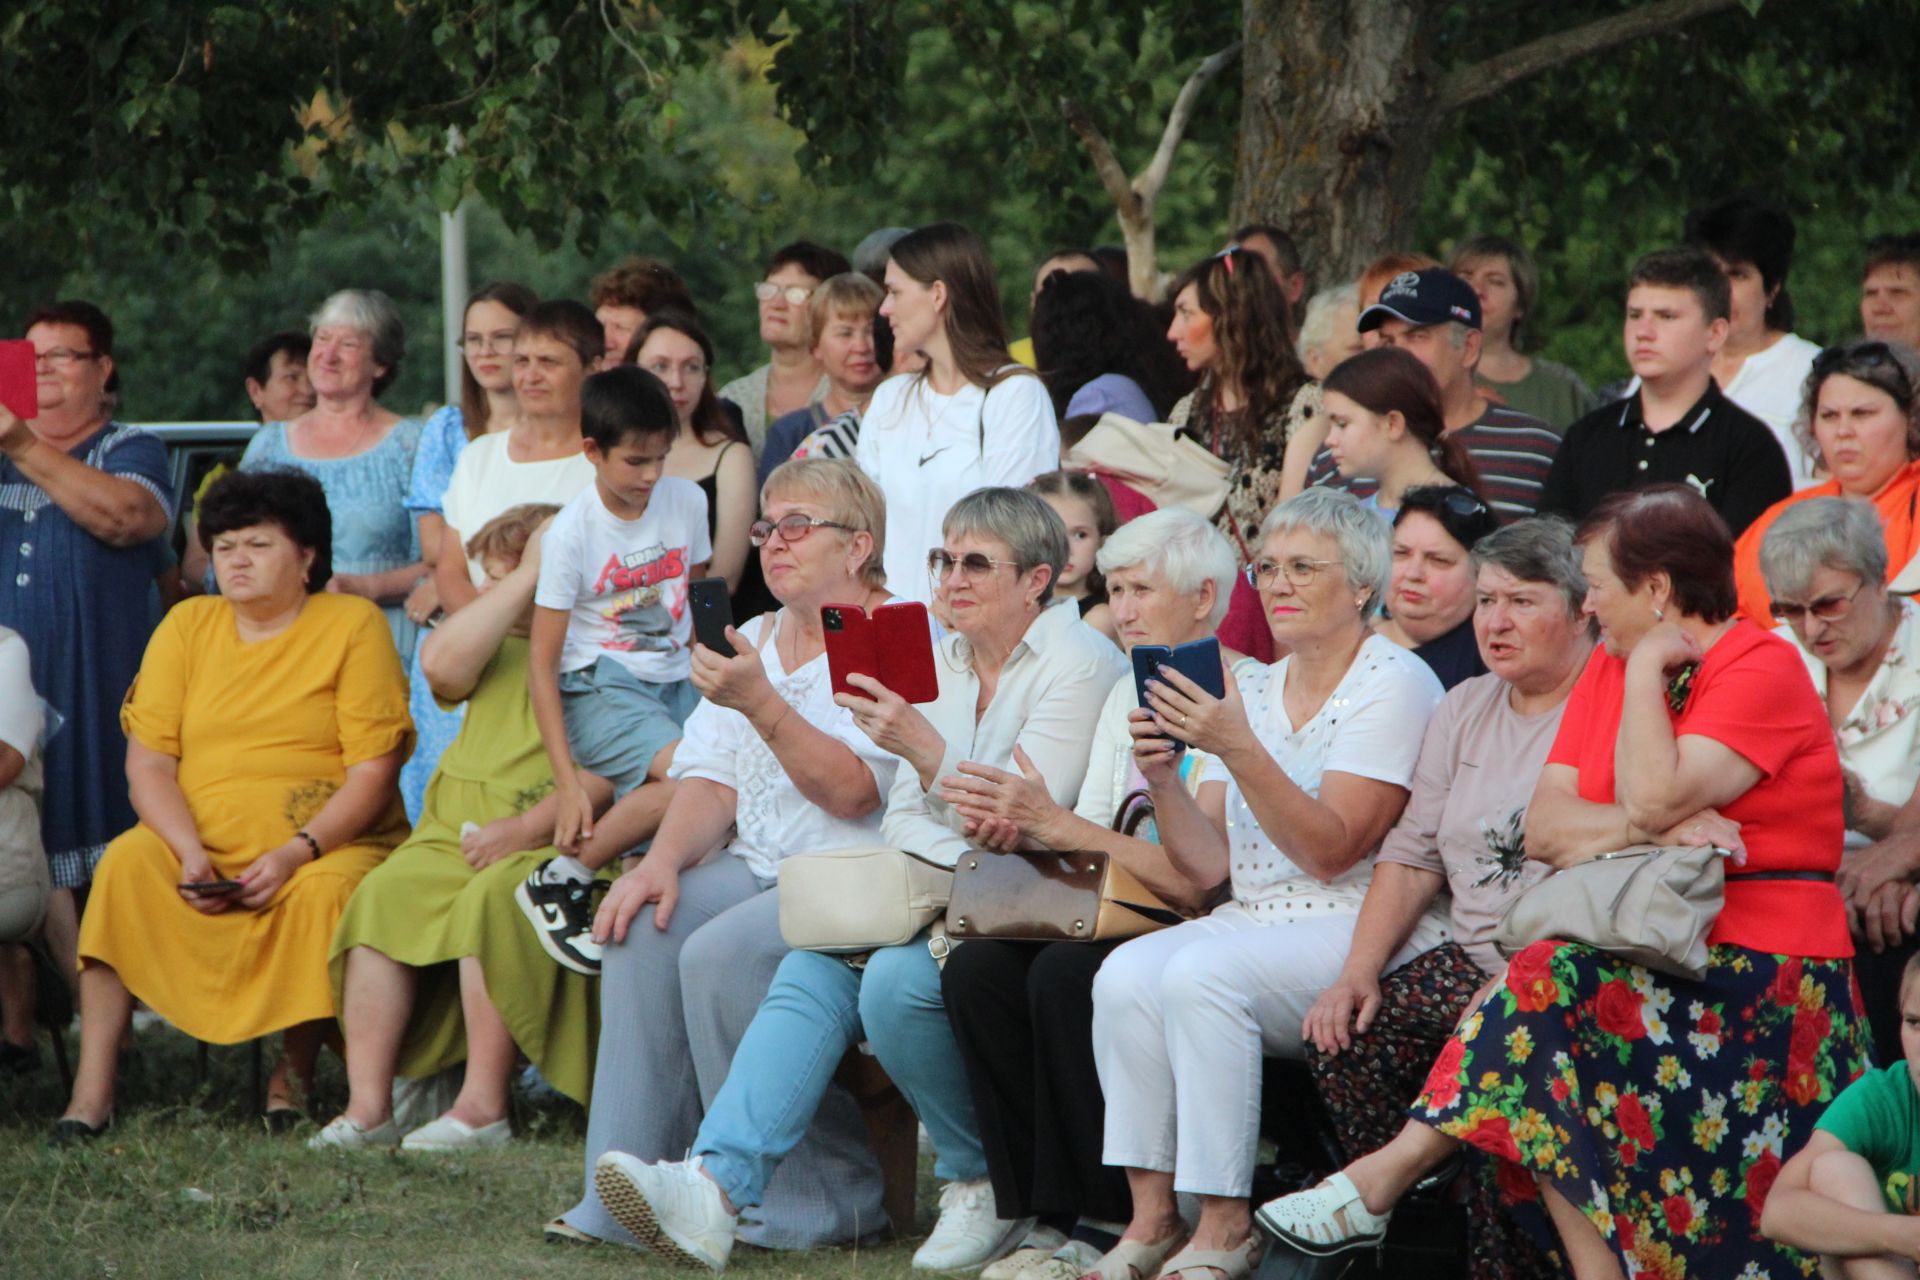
point(684, 997)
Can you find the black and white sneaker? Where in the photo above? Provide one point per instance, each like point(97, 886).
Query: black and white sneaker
point(562, 918)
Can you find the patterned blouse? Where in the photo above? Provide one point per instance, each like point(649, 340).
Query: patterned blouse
point(1254, 486)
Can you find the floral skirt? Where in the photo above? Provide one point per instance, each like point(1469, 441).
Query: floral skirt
point(1661, 1108)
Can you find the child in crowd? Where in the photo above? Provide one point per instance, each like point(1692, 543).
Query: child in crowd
point(610, 641)
point(1085, 507)
point(1853, 1192)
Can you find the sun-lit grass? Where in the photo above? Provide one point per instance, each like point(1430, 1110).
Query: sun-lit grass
point(185, 1185)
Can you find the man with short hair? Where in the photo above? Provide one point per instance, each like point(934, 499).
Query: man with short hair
point(1890, 290)
point(1021, 349)
point(1277, 249)
point(624, 297)
point(791, 379)
point(1678, 427)
point(1435, 315)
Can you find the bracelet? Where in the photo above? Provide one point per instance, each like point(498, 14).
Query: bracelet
point(311, 843)
point(784, 711)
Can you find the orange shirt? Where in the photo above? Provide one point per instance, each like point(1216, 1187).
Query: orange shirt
point(1896, 505)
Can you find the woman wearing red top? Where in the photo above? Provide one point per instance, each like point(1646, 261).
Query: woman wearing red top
point(1649, 1113)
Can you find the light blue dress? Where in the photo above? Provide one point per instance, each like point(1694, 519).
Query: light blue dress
point(366, 495)
point(441, 441)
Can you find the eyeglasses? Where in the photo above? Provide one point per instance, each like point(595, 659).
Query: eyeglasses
point(1300, 571)
point(63, 357)
point(796, 295)
point(791, 528)
point(1826, 608)
point(1851, 359)
point(972, 565)
point(480, 343)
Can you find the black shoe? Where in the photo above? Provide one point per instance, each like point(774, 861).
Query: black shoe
point(562, 918)
point(70, 1132)
point(18, 1059)
point(282, 1120)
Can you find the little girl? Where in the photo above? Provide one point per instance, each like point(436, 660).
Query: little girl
point(1085, 507)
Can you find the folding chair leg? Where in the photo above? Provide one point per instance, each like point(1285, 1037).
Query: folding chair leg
point(59, 1038)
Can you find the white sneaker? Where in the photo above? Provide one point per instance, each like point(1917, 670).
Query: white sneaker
point(672, 1208)
point(449, 1134)
point(968, 1234)
point(342, 1134)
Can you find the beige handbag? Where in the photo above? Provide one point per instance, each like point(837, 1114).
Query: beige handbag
point(1649, 904)
point(1158, 459)
point(859, 899)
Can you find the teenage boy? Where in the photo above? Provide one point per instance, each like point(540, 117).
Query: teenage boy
point(1436, 315)
point(608, 653)
point(1852, 1194)
point(1890, 290)
point(1677, 428)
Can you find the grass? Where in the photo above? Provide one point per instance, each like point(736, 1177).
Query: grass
point(185, 1185)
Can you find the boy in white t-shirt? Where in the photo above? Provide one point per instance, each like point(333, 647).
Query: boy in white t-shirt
point(609, 649)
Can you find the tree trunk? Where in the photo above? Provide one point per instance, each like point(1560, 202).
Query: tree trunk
point(1336, 127)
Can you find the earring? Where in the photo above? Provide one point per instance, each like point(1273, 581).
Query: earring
point(1659, 616)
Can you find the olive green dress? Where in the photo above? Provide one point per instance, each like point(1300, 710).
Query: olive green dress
point(425, 907)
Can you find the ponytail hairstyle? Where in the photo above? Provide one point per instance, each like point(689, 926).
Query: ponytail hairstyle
point(976, 331)
point(1392, 380)
point(1253, 327)
point(1087, 487)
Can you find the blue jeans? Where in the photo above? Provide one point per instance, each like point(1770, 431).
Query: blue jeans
point(817, 1008)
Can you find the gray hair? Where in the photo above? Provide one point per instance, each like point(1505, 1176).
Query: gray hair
point(1316, 329)
point(1182, 546)
point(372, 313)
point(1029, 527)
point(1537, 549)
point(1365, 542)
point(1834, 533)
point(1884, 366)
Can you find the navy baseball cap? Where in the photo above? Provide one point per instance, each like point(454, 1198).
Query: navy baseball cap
point(1421, 298)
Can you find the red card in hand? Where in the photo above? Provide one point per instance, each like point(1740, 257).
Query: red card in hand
point(17, 389)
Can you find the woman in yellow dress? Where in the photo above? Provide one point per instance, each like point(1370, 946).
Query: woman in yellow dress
point(265, 734)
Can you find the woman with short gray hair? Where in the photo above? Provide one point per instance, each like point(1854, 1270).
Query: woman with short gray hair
point(1312, 761)
point(1373, 1037)
point(359, 451)
point(1017, 674)
point(1825, 563)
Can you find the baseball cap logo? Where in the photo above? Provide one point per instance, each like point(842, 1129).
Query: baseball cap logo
point(1405, 282)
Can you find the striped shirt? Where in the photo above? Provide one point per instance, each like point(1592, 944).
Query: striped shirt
point(1513, 452)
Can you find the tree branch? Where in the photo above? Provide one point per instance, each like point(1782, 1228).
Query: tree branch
point(1154, 176)
point(1112, 176)
point(1469, 84)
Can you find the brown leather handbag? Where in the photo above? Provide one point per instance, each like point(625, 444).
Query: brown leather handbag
point(1051, 897)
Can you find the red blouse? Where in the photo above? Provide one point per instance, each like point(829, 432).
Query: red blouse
point(1751, 694)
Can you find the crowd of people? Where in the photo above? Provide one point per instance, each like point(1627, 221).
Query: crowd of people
point(419, 752)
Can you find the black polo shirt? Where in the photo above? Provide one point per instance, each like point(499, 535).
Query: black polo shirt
point(1719, 449)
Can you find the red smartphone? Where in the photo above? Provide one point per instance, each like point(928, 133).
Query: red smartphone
point(904, 639)
point(18, 390)
point(893, 646)
point(850, 651)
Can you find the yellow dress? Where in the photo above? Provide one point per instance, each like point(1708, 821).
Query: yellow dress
point(264, 733)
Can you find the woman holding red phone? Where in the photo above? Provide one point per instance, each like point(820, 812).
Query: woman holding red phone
point(1018, 669)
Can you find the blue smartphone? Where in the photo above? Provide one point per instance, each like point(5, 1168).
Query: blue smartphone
point(1197, 660)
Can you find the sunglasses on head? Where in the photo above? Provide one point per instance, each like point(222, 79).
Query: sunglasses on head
point(1862, 356)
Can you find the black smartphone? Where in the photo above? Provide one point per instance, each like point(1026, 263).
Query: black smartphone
point(712, 614)
point(1197, 660)
point(212, 888)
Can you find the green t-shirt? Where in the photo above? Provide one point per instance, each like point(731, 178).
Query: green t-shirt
point(1877, 1117)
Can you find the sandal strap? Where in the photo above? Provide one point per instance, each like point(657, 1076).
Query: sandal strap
point(1133, 1260)
point(1232, 1263)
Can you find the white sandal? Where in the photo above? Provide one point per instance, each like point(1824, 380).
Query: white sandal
point(1234, 1264)
point(1324, 1220)
point(1134, 1259)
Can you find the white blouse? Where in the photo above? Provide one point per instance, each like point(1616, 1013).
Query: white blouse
point(1371, 726)
point(772, 820)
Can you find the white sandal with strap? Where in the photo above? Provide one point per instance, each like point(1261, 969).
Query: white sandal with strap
point(1134, 1259)
point(1198, 1264)
point(1324, 1220)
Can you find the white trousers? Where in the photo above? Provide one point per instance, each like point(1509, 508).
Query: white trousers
point(1181, 1021)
